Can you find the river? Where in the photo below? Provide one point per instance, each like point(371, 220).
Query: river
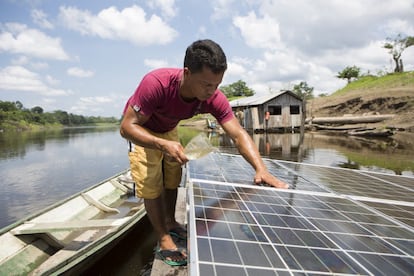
point(40, 168)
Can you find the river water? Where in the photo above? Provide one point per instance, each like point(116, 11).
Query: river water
point(38, 169)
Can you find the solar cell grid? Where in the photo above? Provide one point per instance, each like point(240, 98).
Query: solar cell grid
point(351, 182)
point(239, 229)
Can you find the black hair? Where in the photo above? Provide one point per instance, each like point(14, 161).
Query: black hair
point(205, 53)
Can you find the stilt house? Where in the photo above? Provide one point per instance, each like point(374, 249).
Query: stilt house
point(276, 112)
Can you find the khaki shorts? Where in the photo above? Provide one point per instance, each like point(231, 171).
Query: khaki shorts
point(151, 171)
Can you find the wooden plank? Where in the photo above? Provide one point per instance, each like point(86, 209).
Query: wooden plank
point(87, 244)
point(159, 268)
point(66, 253)
point(25, 259)
point(11, 244)
point(65, 211)
point(41, 227)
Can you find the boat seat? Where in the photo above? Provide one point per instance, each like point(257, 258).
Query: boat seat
point(46, 227)
point(98, 204)
point(124, 185)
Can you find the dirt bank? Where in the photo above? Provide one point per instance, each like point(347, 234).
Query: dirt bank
point(398, 101)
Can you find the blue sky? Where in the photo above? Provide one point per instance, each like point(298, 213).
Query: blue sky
point(87, 57)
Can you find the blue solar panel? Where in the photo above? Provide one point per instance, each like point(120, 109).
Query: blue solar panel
point(316, 227)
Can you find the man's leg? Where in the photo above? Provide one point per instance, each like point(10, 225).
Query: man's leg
point(170, 204)
point(156, 214)
point(172, 173)
point(149, 185)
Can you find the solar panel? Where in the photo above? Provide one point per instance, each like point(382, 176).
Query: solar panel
point(317, 227)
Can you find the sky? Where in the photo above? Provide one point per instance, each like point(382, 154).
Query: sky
point(87, 57)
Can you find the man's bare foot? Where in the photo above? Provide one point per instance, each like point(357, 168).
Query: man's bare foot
point(177, 230)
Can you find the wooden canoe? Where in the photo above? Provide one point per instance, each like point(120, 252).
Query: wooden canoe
point(67, 234)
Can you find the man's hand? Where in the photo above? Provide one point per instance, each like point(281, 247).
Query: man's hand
point(175, 151)
point(267, 178)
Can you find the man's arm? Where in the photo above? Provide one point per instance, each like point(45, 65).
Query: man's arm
point(132, 130)
point(249, 151)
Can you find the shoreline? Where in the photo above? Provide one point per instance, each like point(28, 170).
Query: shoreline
point(398, 123)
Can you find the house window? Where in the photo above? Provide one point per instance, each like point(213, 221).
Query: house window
point(294, 109)
point(275, 109)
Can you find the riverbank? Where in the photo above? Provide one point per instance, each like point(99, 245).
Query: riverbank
point(400, 122)
point(28, 127)
point(391, 94)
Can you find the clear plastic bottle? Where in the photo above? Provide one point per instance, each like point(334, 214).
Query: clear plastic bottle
point(198, 147)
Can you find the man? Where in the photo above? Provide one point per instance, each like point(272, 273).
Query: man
point(240, 116)
point(162, 99)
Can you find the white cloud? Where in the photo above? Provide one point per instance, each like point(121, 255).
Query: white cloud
point(314, 26)
point(156, 63)
point(130, 24)
point(167, 7)
point(51, 80)
point(235, 69)
point(79, 72)
point(24, 60)
point(95, 100)
point(398, 26)
point(88, 105)
point(202, 31)
point(19, 39)
point(40, 18)
point(221, 9)
point(312, 41)
point(39, 65)
point(258, 32)
point(18, 78)
point(21, 60)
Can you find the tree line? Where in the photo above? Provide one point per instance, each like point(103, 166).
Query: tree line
point(240, 89)
point(15, 114)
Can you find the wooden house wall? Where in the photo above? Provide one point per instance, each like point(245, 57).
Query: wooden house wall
point(254, 116)
point(286, 119)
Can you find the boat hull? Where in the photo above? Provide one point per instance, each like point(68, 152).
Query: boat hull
point(71, 232)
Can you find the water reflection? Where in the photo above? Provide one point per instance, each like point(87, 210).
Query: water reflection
point(14, 144)
point(389, 155)
point(40, 168)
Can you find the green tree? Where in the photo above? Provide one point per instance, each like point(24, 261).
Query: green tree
point(238, 88)
point(7, 106)
point(349, 73)
point(37, 110)
point(303, 90)
point(396, 47)
point(19, 105)
point(62, 117)
point(13, 113)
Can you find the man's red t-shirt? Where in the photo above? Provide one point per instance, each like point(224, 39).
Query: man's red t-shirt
point(157, 96)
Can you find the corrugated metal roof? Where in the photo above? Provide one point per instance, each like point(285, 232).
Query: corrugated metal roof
point(257, 100)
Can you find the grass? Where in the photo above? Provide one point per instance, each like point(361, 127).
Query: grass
point(379, 82)
point(397, 163)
